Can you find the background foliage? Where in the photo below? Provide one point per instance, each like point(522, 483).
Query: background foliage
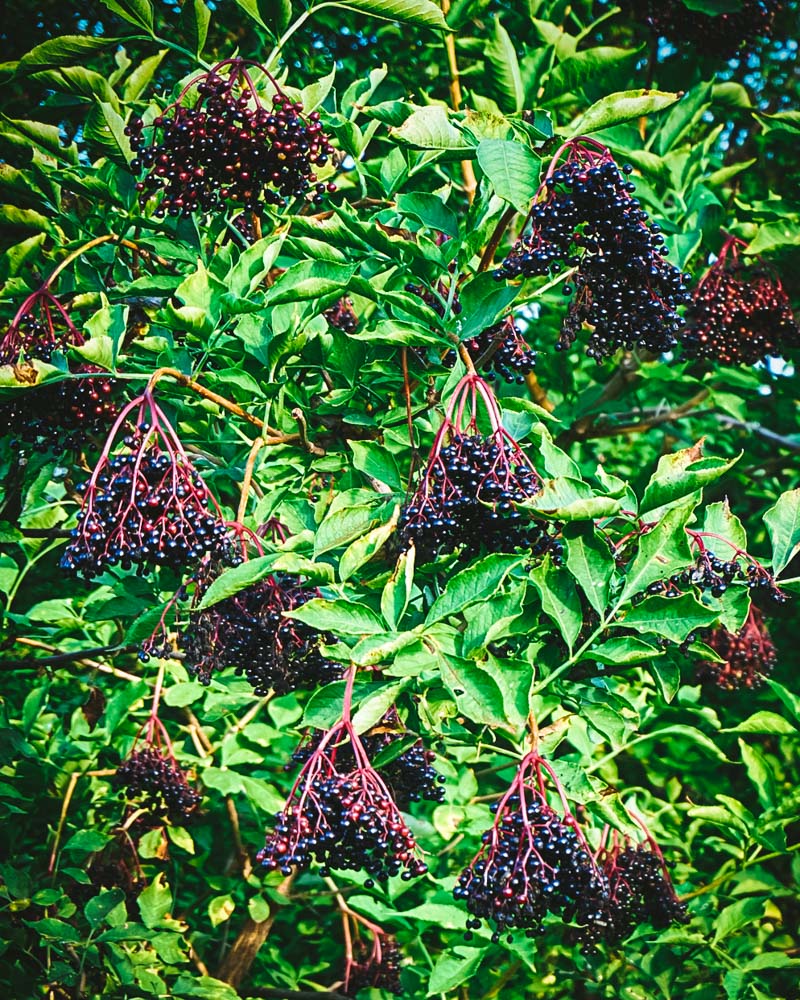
point(713, 144)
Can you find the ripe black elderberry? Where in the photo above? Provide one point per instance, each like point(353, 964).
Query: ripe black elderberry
point(639, 890)
point(342, 315)
point(501, 351)
point(749, 655)
point(466, 498)
point(409, 775)
point(248, 631)
point(342, 817)
point(722, 35)
point(229, 147)
point(533, 861)
point(41, 326)
point(585, 217)
point(160, 781)
point(373, 966)
point(739, 313)
point(146, 506)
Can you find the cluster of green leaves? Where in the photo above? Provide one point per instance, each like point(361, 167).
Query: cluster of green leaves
point(467, 650)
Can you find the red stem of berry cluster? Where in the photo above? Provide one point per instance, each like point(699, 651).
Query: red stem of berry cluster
point(46, 301)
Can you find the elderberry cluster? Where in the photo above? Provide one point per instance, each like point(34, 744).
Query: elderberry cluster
point(160, 781)
point(722, 35)
point(368, 971)
point(713, 575)
point(532, 863)
point(248, 631)
point(61, 416)
point(638, 891)
point(467, 499)
point(145, 507)
point(623, 286)
point(229, 147)
point(501, 351)
point(345, 822)
point(749, 655)
point(739, 317)
point(342, 315)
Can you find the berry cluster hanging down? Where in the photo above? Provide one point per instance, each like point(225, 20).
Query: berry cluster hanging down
point(501, 351)
point(467, 495)
point(739, 313)
point(585, 217)
point(343, 817)
point(722, 35)
point(409, 775)
point(160, 782)
point(749, 655)
point(145, 506)
point(228, 146)
point(370, 965)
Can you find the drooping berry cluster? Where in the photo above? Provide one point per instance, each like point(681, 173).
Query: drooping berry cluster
point(501, 351)
point(534, 861)
point(343, 817)
point(161, 783)
point(584, 216)
point(722, 35)
point(228, 147)
point(739, 313)
point(713, 575)
point(409, 774)
point(638, 890)
point(342, 315)
point(749, 655)
point(56, 415)
point(145, 506)
point(370, 966)
point(467, 496)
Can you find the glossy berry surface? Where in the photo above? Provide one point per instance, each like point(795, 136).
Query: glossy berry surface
point(229, 147)
point(501, 351)
point(145, 506)
point(343, 818)
point(342, 316)
point(159, 782)
point(739, 315)
point(585, 217)
point(748, 655)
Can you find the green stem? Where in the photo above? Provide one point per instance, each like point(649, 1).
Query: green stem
point(175, 48)
point(24, 572)
point(297, 24)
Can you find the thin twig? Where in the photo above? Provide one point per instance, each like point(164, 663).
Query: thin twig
point(494, 242)
point(79, 657)
point(310, 447)
point(467, 169)
point(258, 444)
point(62, 819)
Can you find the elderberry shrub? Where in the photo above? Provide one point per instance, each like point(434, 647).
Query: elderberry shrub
point(739, 315)
point(248, 631)
point(146, 506)
point(749, 655)
point(344, 819)
point(228, 147)
point(639, 890)
point(61, 416)
point(161, 783)
point(585, 217)
point(374, 968)
point(533, 862)
point(466, 500)
point(342, 315)
point(501, 351)
point(721, 35)
point(409, 776)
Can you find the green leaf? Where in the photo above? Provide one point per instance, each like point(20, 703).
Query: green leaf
point(668, 678)
point(679, 475)
point(381, 647)
point(774, 236)
point(662, 551)
point(430, 210)
point(671, 617)
point(340, 617)
point(454, 967)
point(560, 600)
point(783, 525)
point(590, 561)
point(341, 527)
point(138, 12)
point(472, 584)
point(760, 773)
point(220, 909)
point(718, 519)
point(475, 691)
point(105, 129)
point(397, 592)
point(376, 462)
point(512, 170)
point(155, 902)
point(764, 722)
point(483, 299)
point(324, 707)
point(363, 549)
point(373, 708)
point(50, 927)
point(736, 916)
point(232, 580)
point(195, 18)
point(310, 279)
point(431, 128)
point(622, 650)
point(569, 499)
point(504, 64)
point(97, 910)
point(424, 13)
point(621, 107)
point(64, 50)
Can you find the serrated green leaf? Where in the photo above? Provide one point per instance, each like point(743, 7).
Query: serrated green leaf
point(472, 584)
point(621, 107)
point(783, 524)
point(340, 617)
point(512, 170)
